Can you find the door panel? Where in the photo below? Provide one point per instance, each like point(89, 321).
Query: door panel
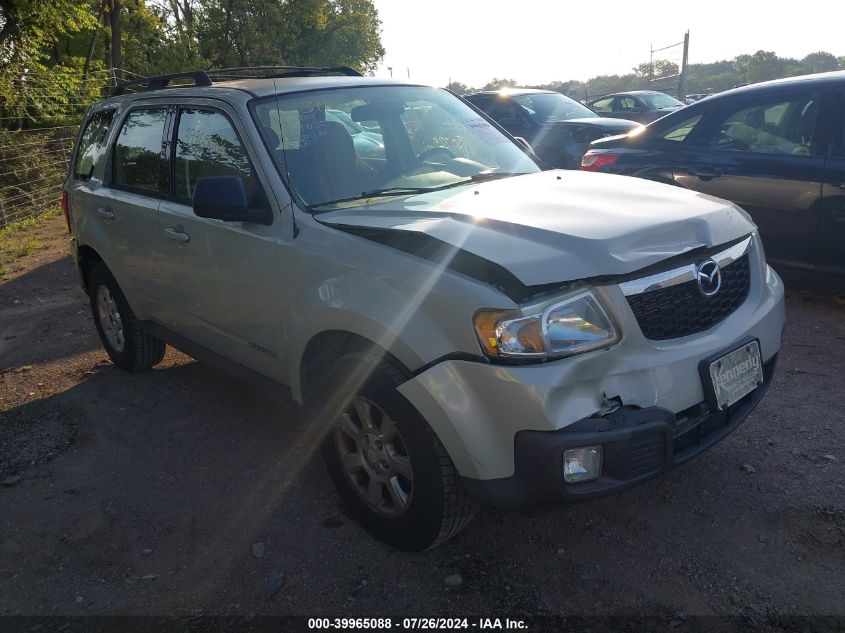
point(832, 226)
point(220, 286)
point(127, 207)
point(218, 279)
point(832, 229)
point(762, 156)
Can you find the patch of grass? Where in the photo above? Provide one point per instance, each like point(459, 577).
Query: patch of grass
point(32, 222)
point(16, 241)
point(23, 247)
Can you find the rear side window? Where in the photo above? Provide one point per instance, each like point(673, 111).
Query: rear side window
point(92, 144)
point(603, 105)
point(777, 125)
point(138, 151)
point(681, 131)
point(207, 145)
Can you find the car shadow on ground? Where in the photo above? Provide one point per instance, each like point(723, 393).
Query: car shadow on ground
point(45, 316)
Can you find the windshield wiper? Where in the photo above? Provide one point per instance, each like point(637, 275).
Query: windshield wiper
point(386, 191)
point(404, 191)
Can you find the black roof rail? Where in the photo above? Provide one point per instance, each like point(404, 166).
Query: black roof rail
point(270, 72)
point(200, 78)
point(204, 77)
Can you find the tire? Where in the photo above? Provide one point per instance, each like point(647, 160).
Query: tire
point(436, 506)
point(127, 345)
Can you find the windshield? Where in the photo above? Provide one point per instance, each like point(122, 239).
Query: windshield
point(658, 101)
point(547, 106)
point(414, 139)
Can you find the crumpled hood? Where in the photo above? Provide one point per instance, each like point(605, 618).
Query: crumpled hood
point(557, 226)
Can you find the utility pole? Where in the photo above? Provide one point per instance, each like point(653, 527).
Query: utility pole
point(651, 64)
point(682, 83)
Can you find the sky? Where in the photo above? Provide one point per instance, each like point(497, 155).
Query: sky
point(546, 40)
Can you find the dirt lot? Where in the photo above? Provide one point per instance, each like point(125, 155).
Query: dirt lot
point(179, 491)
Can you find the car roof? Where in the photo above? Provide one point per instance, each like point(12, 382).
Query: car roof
point(631, 92)
point(836, 76)
point(511, 92)
point(264, 87)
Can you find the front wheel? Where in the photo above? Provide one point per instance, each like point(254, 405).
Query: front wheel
point(388, 465)
point(127, 345)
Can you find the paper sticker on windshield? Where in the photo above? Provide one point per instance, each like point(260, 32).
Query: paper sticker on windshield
point(483, 130)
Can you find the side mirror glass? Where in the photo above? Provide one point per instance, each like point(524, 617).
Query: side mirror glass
point(225, 198)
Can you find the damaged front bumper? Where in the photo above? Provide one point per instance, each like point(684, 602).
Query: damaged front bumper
point(637, 445)
point(505, 427)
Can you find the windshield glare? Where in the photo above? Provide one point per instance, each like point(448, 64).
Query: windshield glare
point(658, 101)
point(409, 138)
point(547, 107)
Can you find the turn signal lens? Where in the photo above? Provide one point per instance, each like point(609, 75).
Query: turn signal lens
point(571, 326)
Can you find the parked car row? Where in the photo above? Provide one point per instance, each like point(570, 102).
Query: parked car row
point(558, 128)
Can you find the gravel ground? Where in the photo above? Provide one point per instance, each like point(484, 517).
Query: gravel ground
point(179, 491)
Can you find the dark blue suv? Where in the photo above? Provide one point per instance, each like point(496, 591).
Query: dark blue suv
point(776, 149)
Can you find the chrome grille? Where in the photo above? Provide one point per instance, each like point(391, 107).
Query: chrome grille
point(681, 309)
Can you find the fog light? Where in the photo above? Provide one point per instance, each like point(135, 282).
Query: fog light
point(582, 464)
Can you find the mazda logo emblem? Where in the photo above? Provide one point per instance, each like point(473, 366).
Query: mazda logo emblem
point(709, 277)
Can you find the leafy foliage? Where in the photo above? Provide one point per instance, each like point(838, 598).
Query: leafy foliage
point(701, 78)
point(59, 56)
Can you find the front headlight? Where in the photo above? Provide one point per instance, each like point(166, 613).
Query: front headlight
point(572, 326)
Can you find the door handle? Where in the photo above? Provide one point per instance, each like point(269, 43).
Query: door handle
point(108, 214)
point(177, 234)
point(706, 173)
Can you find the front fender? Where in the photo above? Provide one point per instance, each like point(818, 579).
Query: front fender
point(415, 322)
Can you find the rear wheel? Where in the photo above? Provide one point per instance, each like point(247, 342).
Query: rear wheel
point(127, 345)
point(386, 462)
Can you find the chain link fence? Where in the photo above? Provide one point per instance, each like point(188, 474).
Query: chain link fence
point(40, 114)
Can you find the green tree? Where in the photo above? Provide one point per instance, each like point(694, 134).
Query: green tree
point(819, 62)
point(660, 68)
point(497, 84)
point(306, 32)
point(459, 88)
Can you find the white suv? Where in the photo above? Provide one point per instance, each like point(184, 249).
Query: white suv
point(460, 324)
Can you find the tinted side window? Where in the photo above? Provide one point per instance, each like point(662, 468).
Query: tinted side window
point(603, 105)
point(207, 145)
point(679, 132)
point(91, 144)
point(626, 104)
point(777, 125)
point(137, 151)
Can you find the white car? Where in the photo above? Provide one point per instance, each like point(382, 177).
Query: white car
point(459, 325)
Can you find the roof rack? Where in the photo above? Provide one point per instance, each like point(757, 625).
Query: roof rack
point(200, 78)
point(204, 77)
point(270, 72)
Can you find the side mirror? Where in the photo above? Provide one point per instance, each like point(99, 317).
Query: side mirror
point(224, 198)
